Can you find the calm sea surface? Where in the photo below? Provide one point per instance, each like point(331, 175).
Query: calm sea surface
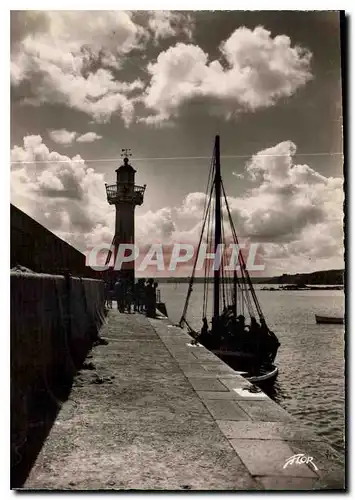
point(310, 383)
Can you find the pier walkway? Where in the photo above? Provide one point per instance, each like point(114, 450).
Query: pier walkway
point(156, 413)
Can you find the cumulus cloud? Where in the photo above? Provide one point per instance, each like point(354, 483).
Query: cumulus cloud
point(65, 137)
point(165, 24)
point(89, 137)
point(287, 198)
point(292, 210)
point(254, 71)
point(72, 57)
point(155, 227)
point(62, 136)
point(70, 60)
point(62, 193)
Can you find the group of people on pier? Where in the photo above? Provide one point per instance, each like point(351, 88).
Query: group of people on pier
point(141, 296)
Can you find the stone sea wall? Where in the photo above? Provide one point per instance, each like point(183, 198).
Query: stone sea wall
point(54, 322)
point(35, 247)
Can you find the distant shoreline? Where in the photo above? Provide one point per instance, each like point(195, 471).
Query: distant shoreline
point(305, 280)
point(306, 287)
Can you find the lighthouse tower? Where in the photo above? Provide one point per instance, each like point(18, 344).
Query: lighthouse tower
point(125, 195)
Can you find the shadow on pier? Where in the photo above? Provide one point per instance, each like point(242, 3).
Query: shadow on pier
point(41, 414)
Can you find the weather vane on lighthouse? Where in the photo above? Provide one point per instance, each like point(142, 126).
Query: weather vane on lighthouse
point(126, 152)
point(125, 195)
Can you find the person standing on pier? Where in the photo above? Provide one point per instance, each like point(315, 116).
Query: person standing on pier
point(128, 297)
point(119, 293)
point(108, 295)
point(150, 298)
point(139, 295)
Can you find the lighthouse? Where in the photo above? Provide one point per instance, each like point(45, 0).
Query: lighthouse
point(125, 195)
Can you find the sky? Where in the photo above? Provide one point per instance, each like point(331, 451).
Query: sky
point(86, 84)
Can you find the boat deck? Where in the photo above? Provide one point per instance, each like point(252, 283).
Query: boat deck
point(157, 413)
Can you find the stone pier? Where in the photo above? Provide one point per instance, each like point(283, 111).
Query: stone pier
point(150, 411)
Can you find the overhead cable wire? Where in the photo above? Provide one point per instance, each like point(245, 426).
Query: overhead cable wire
point(172, 158)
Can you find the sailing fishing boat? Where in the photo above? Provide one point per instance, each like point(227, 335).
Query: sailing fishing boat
point(249, 349)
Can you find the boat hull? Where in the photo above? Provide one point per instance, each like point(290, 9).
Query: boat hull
point(333, 320)
point(269, 376)
point(230, 355)
point(246, 365)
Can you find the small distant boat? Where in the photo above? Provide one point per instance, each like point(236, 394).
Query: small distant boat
point(334, 320)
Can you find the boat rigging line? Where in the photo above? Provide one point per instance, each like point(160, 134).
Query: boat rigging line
point(228, 286)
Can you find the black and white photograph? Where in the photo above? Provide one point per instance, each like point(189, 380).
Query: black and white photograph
point(177, 250)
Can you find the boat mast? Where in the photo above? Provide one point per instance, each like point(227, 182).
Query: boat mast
point(235, 283)
point(217, 236)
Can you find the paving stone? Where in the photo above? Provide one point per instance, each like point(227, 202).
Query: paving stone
point(216, 362)
point(192, 374)
point(234, 382)
point(218, 367)
point(207, 384)
point(178, 346)
point(223, 409)
point(217, 373)
point(288, 483)
point(265, 430)
point(268, 458)
point(181, 352)
point(205, 354)
point(164, 333)
point(178, 349)
point(265, 411)
point(192, 366)
point(225, 375)
point(213, 363)
point(330, 463)
point(216, 395)
point(247, 394)
point(183, 358)
point(111, 339)
point(332, 482)
point(172, 333)
point(204, 374)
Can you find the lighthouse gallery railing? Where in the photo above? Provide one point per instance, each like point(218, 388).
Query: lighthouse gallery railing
point(114, 194)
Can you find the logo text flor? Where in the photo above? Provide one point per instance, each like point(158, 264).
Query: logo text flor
point(300, 459)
